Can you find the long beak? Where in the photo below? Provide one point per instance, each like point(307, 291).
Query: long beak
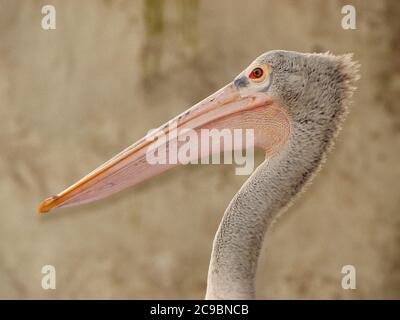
point(223, 109)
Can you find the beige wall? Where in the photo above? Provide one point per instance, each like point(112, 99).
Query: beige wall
point(73, 97)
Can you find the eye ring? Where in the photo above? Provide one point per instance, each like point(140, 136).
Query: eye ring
point(258, 74)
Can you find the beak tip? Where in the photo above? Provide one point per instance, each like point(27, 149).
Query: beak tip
point(46, 206)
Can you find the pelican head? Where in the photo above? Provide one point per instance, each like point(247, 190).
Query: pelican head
point(278, 90)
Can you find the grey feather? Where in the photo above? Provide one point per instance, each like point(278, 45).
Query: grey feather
point(315, 90)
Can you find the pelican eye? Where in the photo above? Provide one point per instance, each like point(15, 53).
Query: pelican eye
point(258, 74)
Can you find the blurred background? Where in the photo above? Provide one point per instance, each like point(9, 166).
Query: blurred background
point(73, 97)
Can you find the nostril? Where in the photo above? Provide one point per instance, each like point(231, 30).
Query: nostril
point(241, 82)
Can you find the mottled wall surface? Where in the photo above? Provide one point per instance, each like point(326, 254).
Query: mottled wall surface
point(71, 98)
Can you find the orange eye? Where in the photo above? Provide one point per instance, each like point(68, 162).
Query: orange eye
point(258, 74)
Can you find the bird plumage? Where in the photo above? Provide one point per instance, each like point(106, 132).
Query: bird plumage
point(315, 90)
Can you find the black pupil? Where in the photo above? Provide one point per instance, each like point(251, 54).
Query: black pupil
point(257, 72)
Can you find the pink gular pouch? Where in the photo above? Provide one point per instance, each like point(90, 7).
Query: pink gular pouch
point(225, 109)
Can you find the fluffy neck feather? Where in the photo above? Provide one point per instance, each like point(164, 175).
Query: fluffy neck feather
point(240, 235)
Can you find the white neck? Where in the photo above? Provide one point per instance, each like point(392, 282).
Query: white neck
point(271, 187)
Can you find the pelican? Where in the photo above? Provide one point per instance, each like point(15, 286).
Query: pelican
point(295, 103)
